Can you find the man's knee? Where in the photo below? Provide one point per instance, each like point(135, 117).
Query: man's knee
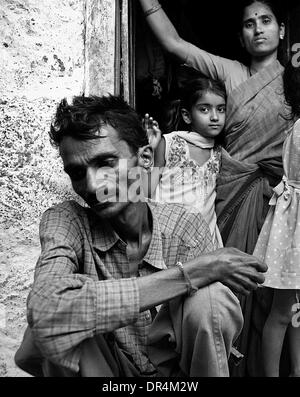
point(214, 305)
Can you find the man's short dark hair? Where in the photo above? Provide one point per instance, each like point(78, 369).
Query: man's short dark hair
point(83, 118)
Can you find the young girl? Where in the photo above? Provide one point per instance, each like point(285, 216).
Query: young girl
point(188, 158)
point(279, 245)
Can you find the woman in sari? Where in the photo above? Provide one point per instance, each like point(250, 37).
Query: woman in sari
point(253, 138)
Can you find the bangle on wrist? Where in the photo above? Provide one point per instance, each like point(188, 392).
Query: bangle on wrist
point(191, 289)
point(152, 10)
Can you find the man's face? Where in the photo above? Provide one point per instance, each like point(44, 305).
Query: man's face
point(98, 170)
point(260, 32)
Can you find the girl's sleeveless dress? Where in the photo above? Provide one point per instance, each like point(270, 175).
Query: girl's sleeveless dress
point(279, 241)
point(184, 181)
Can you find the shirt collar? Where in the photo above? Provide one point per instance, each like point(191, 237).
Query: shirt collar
point(103, 235)
point(104, 238)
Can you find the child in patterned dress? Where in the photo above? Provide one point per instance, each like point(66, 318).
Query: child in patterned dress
point(279, 245)
point(187, 158)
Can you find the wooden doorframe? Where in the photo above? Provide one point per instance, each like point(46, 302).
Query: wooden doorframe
point(100, 47)
point(109, 48)
point(127, 45)
point(118, 47)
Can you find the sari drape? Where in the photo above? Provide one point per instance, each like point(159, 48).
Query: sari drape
point(257, 120)
point(256, 117)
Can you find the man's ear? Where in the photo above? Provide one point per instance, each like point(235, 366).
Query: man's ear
point(145, 157)
point(186, 116)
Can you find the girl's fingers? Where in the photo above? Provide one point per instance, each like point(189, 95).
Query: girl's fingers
point(150, 125)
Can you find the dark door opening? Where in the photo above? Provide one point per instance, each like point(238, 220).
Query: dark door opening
point(213, 26)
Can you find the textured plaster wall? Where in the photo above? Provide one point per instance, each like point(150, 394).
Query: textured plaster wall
point(100, 47)
point(43, 58)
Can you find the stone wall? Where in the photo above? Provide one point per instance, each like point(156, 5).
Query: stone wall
point(43, 58)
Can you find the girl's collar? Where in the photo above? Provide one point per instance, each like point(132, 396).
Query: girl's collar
point(196, 139)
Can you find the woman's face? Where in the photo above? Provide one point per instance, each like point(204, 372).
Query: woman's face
point(260, 30)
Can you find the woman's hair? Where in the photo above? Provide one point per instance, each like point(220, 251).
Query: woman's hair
point(274, 5)
point(291, 86)
point(190, 92)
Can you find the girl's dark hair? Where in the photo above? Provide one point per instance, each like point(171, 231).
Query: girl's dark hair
point(190, 92)
point(84, 116)
point(291, 86)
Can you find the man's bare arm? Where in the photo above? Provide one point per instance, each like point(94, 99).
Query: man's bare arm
point(241, 272)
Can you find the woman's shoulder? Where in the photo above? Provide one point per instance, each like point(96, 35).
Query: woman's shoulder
point(232, 72)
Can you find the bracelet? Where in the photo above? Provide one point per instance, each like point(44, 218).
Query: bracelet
point(152, 10)
point(191, 289)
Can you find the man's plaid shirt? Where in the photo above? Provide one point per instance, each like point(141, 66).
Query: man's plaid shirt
point(83, 284)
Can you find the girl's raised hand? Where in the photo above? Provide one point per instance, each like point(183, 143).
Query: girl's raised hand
point(153, 131)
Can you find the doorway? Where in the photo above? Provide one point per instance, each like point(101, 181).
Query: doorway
point(157, 77)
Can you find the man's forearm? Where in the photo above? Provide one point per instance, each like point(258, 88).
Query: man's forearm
point(241, 272)
point(168, 284)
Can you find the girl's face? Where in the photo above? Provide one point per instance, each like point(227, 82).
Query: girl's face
point(260, 30)
point(207, 115)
